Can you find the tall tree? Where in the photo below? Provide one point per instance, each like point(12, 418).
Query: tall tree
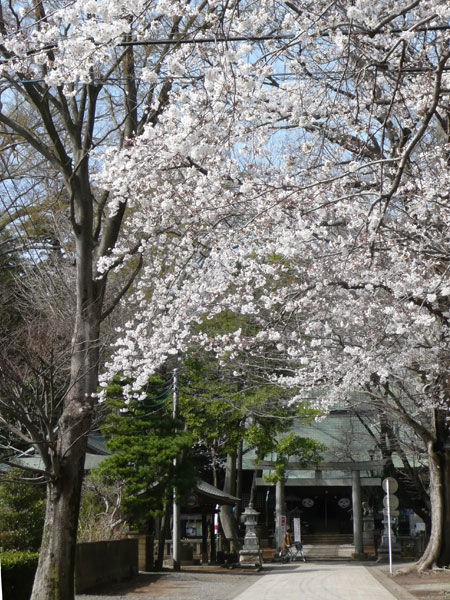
point(307, 160)
point(143, 438)
point(73, 88)
point(324, 215)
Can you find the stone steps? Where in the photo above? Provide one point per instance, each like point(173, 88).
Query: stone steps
point(328, 551)
point(328, 539)
point(323, 552)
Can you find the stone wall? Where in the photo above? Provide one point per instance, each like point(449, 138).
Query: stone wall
point(98, 563)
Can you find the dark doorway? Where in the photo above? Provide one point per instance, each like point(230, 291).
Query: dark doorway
point(322, 509)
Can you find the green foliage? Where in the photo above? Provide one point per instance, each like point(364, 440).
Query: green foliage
point(211, 405)
point(219, 411)
point(22, 507)
point(18, 570)
point(228, 322)
point(306, 451)
point(144, 440)
point(222, 411)
point(218, 406)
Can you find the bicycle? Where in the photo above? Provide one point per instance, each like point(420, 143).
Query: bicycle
point(292, 553)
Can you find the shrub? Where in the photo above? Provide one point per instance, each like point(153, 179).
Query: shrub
point(22, 509)
point(18, 569)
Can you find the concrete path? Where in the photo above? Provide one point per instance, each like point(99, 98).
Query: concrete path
point(318, 581)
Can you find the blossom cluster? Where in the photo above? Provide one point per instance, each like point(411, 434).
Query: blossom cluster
point(290, 167)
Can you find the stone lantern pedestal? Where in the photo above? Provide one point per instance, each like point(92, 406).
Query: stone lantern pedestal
point(250, 554)
point(383, 549)
point(368, 525)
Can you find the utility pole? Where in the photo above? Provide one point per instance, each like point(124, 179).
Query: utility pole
point(176, 516)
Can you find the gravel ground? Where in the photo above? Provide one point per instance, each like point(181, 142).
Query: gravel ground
point(216, 583)
point(432, 585)
point(212, 583)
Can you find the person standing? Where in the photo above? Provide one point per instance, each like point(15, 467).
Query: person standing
point(287, 539)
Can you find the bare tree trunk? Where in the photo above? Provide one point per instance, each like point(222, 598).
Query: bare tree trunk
point(150, 545)
point(444, 558)
point(253, 488)
point(437, 552)
point(227, 518)
point(54, 578)
point(163, 534)
point(239, 477)
point(433, 549)
point(436, 440)
point(55, 573)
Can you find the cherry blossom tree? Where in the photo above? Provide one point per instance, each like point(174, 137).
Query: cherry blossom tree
point(77, 85)
point(291, 165)
point(318, 171)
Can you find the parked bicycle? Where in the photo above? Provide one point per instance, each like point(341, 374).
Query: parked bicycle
point(292, 553)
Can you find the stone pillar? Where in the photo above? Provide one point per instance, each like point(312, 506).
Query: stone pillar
point(279, 512)
point(357, 515)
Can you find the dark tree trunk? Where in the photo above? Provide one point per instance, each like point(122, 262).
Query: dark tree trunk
point(253, 488)
point(437, 552)
point(227, 517)
point(239, 479)
point(434, 548)
point(54, 578)
point(150, 545)
point(212, 535)
point(444, 557)
point(163, 535)
point(55, 573)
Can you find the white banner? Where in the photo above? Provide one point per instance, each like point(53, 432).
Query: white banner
point(297, 530)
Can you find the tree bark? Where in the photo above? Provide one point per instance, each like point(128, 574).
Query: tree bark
point(163, 534)
point(437, 552)
point(227, 518)
point(55, 573)
point(150, 545)
point(54, 578)
point(444, 557)
point(433, 549)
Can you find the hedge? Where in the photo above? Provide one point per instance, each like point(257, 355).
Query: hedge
point(18, 569)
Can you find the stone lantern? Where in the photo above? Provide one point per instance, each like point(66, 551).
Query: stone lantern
point(250, 554)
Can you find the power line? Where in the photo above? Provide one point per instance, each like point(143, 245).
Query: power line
point(382, 68)
point(205, 40)
point(245, 38)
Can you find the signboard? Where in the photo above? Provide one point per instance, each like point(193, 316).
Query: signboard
point(283, 525)
point(392, 501)
point(297, 530)
point(280, 529)
point(390, 485)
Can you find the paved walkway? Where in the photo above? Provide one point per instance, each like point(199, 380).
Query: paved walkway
point(318, 581)
point(298, 581)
